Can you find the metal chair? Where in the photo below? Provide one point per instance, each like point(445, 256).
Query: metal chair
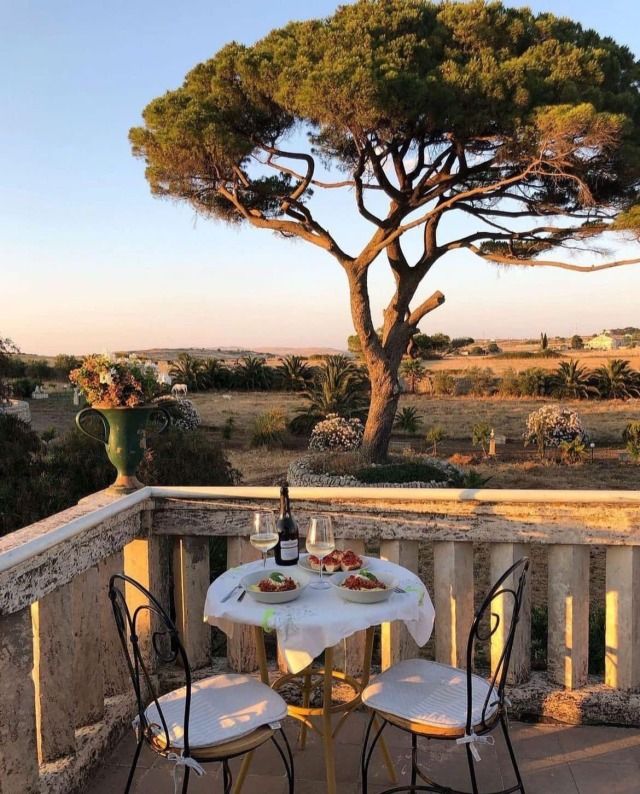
point(437, 701)
point(208, 721)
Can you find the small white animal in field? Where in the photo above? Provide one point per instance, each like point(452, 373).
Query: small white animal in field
point(226, 396)
point(179, 390)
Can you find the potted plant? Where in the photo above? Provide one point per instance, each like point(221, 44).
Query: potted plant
point(120, 394)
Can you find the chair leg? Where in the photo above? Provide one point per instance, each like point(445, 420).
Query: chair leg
point(185, 780)
point(226, 777)
point(472, 770)
point(514, 763)
point(414, 759)
point(367, 752)
point(134, 765)
point(287, 759)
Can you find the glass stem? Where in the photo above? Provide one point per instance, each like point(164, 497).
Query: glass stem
point(264, 560)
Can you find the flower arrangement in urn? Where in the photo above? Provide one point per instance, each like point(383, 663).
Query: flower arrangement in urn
point(115, 383)
point(120, 393)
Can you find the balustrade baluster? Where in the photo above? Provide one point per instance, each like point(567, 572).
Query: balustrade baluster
point(622, 635)
point(568, 600)
point(88, 675)
point(241, 647)
point(503, 556)
point(53, 674)
point(453, 600)
point(191, 578)
point(19, 772)
point(396, 642)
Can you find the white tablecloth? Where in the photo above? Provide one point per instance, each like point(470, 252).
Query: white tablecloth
point(319, 619)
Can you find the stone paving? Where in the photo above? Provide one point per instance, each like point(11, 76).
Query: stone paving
point(554, 759)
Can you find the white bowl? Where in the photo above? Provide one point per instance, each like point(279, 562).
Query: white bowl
point(273, 598)
point(363, 596)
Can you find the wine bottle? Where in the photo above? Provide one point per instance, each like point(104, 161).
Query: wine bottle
point(286, 551)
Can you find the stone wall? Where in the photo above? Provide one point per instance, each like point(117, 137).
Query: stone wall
point(18, 408)
point(300, 474)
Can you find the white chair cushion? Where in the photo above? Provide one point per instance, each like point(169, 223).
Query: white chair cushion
point(223, 708)
point(429, 693)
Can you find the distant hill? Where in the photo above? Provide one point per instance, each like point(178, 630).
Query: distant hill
point(169, 354)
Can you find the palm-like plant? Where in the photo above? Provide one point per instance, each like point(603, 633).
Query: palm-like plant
point(188, 369)
point(252, 374)
point(214, 374)
point(617, 380)
point(338, 387)
point(572, 381)
point(413, 371)
point(294, 373)
point(408, 420)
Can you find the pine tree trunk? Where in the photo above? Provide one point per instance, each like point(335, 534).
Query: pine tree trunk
point(385, 393)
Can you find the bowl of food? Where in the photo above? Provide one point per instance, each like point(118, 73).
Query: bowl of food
point(273, 587)
point(363, 586)
point(336, 562)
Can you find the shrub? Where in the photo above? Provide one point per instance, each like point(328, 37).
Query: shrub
point(409, 471)
point(573, 451)
point(493, 348)
point(443, 384)
point(22, 387)
point(533, 382)
point(576, 342)
point(551, 425)
point(337, 463)
point(303, 424)
point(269, 430)
point(631, 437)
point(476, 350)
point(184, 414)
point(408, 420)
point(509, 384)
point(434, 436)
point(480, 435)
point(228, 428)
point(482, 381)
point(178, 458)
point(336, 433)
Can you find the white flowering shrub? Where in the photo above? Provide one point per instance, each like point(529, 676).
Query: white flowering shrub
point(336, 433)
point(552, 425)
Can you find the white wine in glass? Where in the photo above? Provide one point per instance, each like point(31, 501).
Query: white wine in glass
point(320, 541)
point(264, 535)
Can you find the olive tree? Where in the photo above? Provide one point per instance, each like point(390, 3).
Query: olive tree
point(528, 126)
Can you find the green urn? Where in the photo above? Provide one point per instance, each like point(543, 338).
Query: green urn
point(125, 437)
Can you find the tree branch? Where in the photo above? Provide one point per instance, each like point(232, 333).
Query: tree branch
point(429, 305)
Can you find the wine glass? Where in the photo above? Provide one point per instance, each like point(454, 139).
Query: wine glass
point(264, 536)
point(320, 541)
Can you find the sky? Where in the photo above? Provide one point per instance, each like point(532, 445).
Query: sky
point(89, 261)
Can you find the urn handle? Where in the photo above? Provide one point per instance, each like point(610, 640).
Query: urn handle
point(83, 414)
point(167, 420)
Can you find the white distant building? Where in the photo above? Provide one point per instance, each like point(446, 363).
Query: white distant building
point(605, 341)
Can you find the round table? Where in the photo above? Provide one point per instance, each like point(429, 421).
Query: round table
point(311, 625)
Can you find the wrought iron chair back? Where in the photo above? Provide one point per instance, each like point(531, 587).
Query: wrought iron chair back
point(510, 587)
point(167, 648)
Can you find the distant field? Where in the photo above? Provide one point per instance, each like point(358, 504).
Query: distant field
point(589, 358)
point(605, 421)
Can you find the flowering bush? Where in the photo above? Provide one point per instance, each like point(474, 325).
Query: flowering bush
point(336, 433)
point(111, 383)
point(184, 415)
point(552, 425)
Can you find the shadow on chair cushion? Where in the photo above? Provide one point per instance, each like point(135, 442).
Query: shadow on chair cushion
point(429, 694)
point(223, 708)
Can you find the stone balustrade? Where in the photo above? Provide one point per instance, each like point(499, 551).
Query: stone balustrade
point(64, 693)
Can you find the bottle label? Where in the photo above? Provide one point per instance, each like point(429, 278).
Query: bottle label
point(289, 549)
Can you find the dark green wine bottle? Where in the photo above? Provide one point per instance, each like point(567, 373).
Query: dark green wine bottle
point(286, 551)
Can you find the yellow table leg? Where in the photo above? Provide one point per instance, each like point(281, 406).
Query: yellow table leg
point(264, 677)
point(327, 733)
point(306, 697)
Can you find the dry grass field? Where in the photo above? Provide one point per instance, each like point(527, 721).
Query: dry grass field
point(514, 468)
point(588, 358)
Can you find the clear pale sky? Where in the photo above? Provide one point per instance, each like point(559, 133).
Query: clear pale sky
point(89, 261)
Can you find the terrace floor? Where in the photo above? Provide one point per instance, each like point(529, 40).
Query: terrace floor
point(554, 759)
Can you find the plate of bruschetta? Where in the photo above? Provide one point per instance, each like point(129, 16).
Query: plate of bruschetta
point(337, 562)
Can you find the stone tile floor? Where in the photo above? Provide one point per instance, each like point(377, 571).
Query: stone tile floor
point(553, 759)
